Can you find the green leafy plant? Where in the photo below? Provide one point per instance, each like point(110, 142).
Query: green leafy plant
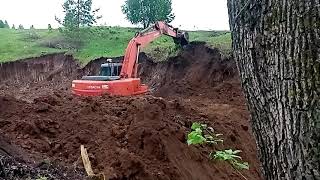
point(232, 157)
point(196, 137)
point(201, 134)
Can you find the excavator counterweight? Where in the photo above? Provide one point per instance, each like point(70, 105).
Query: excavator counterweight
point(122, 78)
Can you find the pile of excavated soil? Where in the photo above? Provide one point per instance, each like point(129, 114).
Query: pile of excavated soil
point(133, 138)
point(195, 70)
point(141, 137)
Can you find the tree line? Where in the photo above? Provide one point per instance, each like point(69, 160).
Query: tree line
point(5, 24)
point(79, 14)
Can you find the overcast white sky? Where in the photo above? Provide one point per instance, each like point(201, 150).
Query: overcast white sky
point(190, 14)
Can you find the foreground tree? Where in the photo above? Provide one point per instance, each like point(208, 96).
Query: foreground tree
point(276, 46)
point(146, 12)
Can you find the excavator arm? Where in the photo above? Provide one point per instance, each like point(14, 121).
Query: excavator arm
point(143, 38)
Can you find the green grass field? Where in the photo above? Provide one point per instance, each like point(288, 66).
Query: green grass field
point(97, 42)
point(17, 44)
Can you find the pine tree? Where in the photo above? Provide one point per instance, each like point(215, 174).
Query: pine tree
point(49, 28)
point(20, 26)
point(2, 25)
point(6, 24)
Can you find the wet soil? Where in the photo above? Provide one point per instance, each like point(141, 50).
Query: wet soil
point(141, 137)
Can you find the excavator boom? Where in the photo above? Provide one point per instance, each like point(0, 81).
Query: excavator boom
point(129, 68)
point(127, 82)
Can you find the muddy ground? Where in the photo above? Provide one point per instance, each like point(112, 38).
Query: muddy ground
point(141, 137)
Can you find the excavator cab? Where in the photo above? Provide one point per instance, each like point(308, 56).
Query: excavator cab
point(108, 72)
point(110, 69)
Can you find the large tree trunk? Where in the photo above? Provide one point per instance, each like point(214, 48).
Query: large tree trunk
point(276, 46)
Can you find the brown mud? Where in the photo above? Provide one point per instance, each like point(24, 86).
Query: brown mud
point(12, 168)
point(141, 137)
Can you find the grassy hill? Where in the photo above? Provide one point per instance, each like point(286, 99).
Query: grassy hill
point(98, 42)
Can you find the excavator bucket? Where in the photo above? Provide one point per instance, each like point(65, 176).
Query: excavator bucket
point(182, 38)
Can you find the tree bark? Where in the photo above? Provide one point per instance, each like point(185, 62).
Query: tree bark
point(276, 46)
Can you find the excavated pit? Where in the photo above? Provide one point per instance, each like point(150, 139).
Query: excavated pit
point(141, 137)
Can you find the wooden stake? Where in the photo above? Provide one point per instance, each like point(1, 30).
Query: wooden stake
point(87, 165)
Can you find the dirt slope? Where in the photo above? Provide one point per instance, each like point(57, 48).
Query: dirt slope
point(139, 137)
point(195, 68)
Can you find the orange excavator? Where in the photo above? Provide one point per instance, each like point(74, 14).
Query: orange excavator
point(122, 78)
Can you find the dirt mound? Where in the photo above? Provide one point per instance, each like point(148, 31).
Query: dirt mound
point(129, 138)
point(195, 68)
point(140, 137)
